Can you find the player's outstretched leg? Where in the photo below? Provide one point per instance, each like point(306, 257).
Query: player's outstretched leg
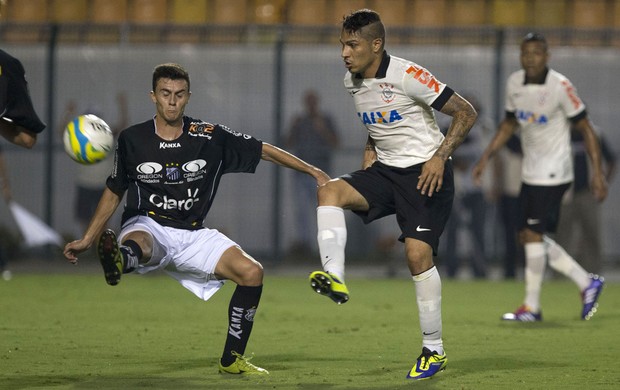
point(523, 314)
point(329, 285)
point(590, 295)
point(428, 364)
point(110, 257)
point(242, 365)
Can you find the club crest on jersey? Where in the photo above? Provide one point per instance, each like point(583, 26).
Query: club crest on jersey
point(387, 92)
point(173, 173)
point(201, 129)
point(375, 117)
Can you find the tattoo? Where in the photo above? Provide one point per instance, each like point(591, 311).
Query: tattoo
point(370, 144)
point(463, 118)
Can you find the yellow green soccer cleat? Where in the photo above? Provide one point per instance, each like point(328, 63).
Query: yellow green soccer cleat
point(110, 257)
point(242, 366)
point(428, 364)
point(327, 284)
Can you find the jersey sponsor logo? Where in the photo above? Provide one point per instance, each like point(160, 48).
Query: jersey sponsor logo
point(387, 92)
point(235, 133)
point(166, 203)
point(168, 145)
point(375, 117)
point(194, 170)
point(200, 129)
point(148, 172)
point(572, 94)
point(532, 117)
point(234, 329)
point(149, 167)
point(425, 78)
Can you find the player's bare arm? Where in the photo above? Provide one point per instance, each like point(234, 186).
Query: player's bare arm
point(17, 135)
point(505, 130)
point(593, 148)
point(282, 157)
point(107, 205)
point(463, 117)
point(370, 153)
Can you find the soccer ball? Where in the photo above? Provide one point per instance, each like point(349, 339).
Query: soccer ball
point(88, 139)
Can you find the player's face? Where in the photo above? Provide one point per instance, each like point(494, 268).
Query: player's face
point(534, 57)
point(170, 98)
point(359, 54)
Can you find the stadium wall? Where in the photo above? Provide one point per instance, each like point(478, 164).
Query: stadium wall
point(234, 84)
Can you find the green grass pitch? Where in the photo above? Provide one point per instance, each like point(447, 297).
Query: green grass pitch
point(75, 332)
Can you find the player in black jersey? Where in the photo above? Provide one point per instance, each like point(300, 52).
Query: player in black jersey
point(19, 122)
point(170, 167)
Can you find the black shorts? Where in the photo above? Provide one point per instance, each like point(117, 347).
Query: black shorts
point(539, 207)
point(15, 102)
point(389, 190)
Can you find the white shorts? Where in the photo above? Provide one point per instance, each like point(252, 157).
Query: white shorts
point(189, 256)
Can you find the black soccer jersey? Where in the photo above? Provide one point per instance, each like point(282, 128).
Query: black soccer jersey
point(175, 182)
point(15, 102)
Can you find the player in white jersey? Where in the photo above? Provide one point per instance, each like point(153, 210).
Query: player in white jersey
point(406, 170)
point(543, 104)
point(169, 167)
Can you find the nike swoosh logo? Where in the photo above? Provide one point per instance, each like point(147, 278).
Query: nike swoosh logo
point(421, 229)
point(428, 334)
point(354, 91)
point(532, 221)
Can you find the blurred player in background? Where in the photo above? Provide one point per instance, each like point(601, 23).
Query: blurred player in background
point(19, 122)
point(406, 170)
point(313, 138)
point(170, 167)
point(543, 104)
point(579, 231)
point(469, 211)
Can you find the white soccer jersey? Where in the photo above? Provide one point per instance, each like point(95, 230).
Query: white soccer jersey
point(543, 112)
point(397, 109)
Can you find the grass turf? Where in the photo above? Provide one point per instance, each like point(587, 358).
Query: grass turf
point(75, 332)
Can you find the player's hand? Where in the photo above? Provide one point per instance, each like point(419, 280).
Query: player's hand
point(321, 177)
point(478, 170)
point(431, 179)
point(599, 188)
point(74, 248)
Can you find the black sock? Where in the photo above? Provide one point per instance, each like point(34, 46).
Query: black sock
point(132, 254)
point(241, 310)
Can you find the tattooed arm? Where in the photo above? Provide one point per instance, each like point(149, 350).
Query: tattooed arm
point(370, 153)
point(463, 118)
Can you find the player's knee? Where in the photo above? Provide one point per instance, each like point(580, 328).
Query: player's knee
point(251, 274)
point(329, 193)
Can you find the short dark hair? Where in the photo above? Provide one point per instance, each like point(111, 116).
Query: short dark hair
point(357, 20)
point(169, 71)
point(534, 37)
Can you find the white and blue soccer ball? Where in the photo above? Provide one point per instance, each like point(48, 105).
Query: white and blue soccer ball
point(88, 139)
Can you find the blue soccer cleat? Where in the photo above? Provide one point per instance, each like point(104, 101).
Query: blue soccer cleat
point(428, 364)
point(523, 314)
point(590, 295)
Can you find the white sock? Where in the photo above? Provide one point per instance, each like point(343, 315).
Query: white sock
point(562, 262)
point(535, 258)
point(428, 296)
point(332, 239)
